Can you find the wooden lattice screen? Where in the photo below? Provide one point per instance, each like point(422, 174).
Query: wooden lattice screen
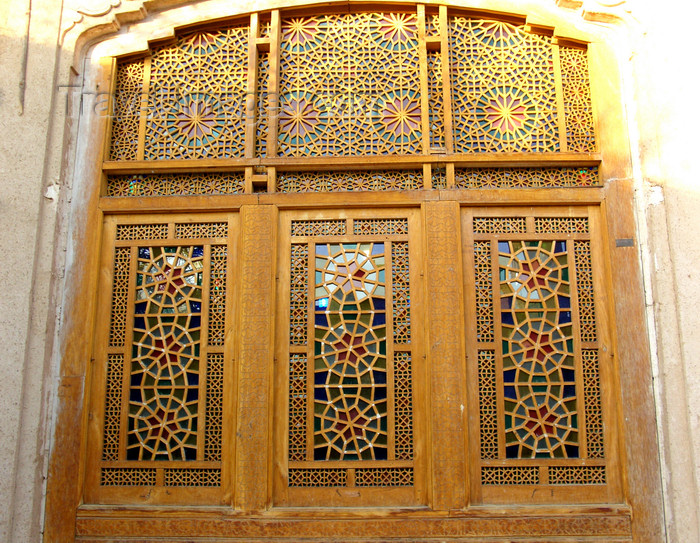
point(410, 353)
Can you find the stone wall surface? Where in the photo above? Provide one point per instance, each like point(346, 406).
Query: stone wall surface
point(29, 176)
point(42, 51)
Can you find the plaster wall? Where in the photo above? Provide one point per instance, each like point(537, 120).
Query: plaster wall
point(38, 197)
point(660, 82)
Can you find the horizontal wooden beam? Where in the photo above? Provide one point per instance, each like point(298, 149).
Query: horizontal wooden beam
point(405, 198)
point(481, 160)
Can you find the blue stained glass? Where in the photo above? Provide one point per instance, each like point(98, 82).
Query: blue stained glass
point(564, 302)
point(503, 247)
point(509, 376)
point(195, 307)
point(568, 375)
point(564, 317)
point(510, 393)
point(322, 320)
point(197, 251)
point(379, 319)
point(321, 303)
point(378, 249)
point(507, 317)
point(379, 304)
point(139, 323)
point(144, 252)
point(559, 246)
point(140, 308)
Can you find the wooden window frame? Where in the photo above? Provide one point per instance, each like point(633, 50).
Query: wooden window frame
point(248, 505)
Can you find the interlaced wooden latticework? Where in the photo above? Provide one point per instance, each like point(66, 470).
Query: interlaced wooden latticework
point(537, 355)
point(408, 83)
point(290, 312)
point(358, 404)
point(164, 373)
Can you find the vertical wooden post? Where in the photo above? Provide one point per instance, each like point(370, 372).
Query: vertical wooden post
point(447, 380)
point(255, 358)
point(251, 87)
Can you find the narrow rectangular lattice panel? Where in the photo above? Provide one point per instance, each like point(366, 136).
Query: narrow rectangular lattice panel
point(436, 103)
point(175, 184)
point(350, 395)
point(485, 178)
point(349, 85)
point(372, 180)
point(126, 111)
point(578, 110)
point(540, 405)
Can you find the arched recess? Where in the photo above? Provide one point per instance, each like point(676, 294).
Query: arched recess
point(468, 174)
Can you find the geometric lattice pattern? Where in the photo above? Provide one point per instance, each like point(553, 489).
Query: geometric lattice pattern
point(577, 475)
point(384, 477)
point(403, 406)
point(484, 178)
point(215, 407)
point(593, 404)
point(192, 477)
point(503, 88)
point(127, 104)
point(297, 406)
point(317, 477)
point(120, 290)
point(499, 225)
point(401, 288)
point(350, 366)
point(350, 74)
point(358, 404)
point(484, 291)
point(437, 105)
point(539, 384)
point(584, 281)
point(488, 405)
point(578, 111)
point(491, 475)
point(350, 84)
point(174, 184)
point(380, 226)
point(196, 99)
point(560, 225)
point(298, 294)
point(540, 406)
point(128, 477)
point(113, 406)
point(165, 367)
point(373, 180)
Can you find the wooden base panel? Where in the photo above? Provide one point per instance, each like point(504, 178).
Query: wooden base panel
point(610, 526)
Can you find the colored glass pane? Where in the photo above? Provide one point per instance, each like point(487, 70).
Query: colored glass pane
point(540, 402)
point(350, 364)
point(165, 365)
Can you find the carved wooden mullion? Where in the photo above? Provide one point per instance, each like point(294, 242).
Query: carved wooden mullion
point(251, 90)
